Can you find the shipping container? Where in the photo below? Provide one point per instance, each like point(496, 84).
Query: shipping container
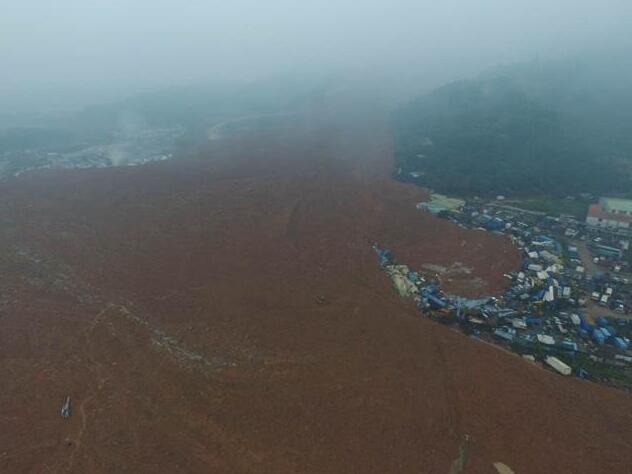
point(558, 365)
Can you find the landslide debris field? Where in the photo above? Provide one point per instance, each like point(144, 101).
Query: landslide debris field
point(226, 313)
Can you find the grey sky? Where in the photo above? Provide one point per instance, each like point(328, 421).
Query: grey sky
point(88, 44)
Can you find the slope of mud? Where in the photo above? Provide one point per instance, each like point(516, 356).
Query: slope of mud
point(225, 313)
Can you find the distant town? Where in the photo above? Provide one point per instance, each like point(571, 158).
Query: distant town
point(119, 149)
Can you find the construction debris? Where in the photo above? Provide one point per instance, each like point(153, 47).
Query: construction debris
point(65, 408)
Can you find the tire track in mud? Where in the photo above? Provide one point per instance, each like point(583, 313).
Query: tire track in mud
point(454, 414)
point(77, 442)
point(98, 369)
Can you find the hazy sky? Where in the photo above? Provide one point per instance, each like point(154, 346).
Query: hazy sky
point(91, 44)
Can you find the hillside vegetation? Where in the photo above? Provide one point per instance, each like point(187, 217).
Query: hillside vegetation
point(555, 128)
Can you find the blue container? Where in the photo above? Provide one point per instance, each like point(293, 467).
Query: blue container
point(586, 326)
point(436, 301)
point(598, 336)
point(494, 224)
point(620, 343)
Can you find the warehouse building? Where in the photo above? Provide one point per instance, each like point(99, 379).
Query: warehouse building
point(612, 214)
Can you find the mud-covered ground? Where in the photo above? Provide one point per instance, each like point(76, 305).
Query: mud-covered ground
point(226, 313)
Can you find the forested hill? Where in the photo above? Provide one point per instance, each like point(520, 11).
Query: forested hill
point(556, 128)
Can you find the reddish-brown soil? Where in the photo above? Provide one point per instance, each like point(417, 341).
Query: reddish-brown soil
point(226, 313)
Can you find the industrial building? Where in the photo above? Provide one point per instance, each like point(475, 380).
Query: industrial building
point(612, 214)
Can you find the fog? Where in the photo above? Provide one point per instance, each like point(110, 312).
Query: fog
point(68, 53)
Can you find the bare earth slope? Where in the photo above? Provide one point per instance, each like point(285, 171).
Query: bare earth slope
point(226, 313)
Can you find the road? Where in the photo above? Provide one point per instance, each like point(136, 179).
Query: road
point(586, 258)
